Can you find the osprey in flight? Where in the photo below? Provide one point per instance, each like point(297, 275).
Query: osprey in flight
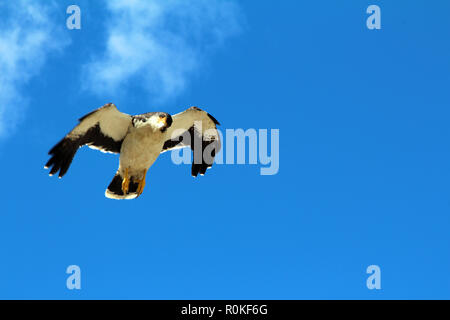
point(140, 140)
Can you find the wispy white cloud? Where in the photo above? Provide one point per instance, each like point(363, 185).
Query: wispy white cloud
point(27, 35)
point(159, 44)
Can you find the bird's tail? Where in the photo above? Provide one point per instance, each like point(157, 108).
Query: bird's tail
point(115, 191)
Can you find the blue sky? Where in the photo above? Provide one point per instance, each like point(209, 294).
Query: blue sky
point(364, 150)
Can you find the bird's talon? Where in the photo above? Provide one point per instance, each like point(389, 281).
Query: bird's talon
point(125, 182)
point(141, 185)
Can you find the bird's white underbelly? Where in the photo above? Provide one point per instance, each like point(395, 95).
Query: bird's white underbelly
point(139, 151)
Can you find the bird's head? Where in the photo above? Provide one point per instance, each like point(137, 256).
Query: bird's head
point(156, 120)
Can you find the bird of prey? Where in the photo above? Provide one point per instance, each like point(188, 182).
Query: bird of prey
point(139, 140)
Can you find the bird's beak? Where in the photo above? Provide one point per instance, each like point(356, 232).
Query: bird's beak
point(163, 120)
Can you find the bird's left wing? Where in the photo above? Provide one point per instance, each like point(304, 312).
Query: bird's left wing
point(103, 129)
point(196, 129)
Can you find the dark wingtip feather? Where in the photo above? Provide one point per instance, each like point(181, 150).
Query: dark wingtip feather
point(61, 157)
point(195, 169)
point(203, 168)
point(49, 163)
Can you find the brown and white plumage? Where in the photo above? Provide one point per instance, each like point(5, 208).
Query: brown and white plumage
point(139, 139)
point(194, 127)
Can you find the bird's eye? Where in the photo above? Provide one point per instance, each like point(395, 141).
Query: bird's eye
point(162, 116)
point(144, 120)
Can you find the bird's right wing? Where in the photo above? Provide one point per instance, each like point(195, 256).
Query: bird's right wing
point(103, 129)
point(196, 129)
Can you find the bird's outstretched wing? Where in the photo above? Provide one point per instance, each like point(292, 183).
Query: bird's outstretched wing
point(103, 129)
point(196, 129)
